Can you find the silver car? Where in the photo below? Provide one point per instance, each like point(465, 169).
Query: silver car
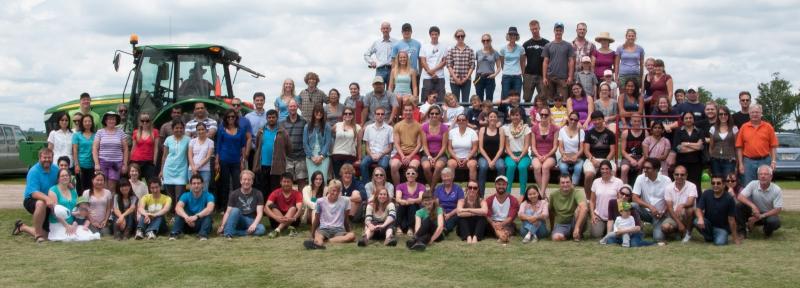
point(10, 138)
point(788, 163)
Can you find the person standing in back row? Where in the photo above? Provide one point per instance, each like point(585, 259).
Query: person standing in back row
point(558, 66)
point(460, 64)
point(583, 47)
point(532, 78)
point(756, 145)
point(432, 61)
point(411, 46)
point(310, 96)
point(381, 49)
point(512, 63)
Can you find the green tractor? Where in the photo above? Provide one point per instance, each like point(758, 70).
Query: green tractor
point(163, 77)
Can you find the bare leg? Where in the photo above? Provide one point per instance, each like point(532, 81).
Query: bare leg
point(346, 238)
point(546, 167)
point(472, 165)
point(395, 169)
point(437, 173)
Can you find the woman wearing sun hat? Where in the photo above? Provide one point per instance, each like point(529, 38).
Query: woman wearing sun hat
point(512, 63)
point(604, 56)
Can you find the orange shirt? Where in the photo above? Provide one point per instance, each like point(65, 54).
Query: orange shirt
point(756, 142)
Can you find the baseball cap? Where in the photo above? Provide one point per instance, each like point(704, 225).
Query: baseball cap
point(501, 177)
point(586, 59)
point(377, 79)
point(608, 73)
point(692, 89)
point(558, 25)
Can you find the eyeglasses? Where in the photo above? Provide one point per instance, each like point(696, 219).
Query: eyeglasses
point(434, 113)
point(460, 36)
point(378, 175)
point(347, 113)
point(472, 187)
point(486, 40)
point(236, 104)
point(744, 100)
point(145, 120)
point(544, 114)
point(379, 114)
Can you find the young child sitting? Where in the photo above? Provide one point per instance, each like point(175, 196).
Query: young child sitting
point(624, 225)
point(558, 114)
point(80, 213)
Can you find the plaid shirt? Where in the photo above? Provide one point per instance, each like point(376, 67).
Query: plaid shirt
point(582, 50)
point(295, 130)
point(310, 98)
point(461, 60)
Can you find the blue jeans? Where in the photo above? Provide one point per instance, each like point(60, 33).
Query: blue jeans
point(449, 224)
point(646, 216)
point(206, 175)
point(154, 226)
point(539, 229)
point(237, 224)
point(751, 168)
point(510, 82)
point(202, 226)
point(722, 167)
point(712, 234)
point(637, 240)
point(485, 88)
point(577, 169)
point(483, 168)
point(461, 91)
point(521, 167)
point(367, 161)
point(384, 72)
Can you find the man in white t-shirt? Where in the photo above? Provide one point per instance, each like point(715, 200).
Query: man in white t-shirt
point(680, 197)
point(648, 193)
point(432, 62)
point(330, 222)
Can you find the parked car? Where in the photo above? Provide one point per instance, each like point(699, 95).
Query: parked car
point(10, 138)
point(788, 154)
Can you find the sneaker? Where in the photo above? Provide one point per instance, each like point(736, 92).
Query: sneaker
point(292, 232)
point(392, 242)
point(228, 237)
point(151, 235)
point(686, 238)
point(273, 234)
point(604, 241)
point(310, 245)
point(409, 243)
point(535, 238)
point(527, 238)
point(626, 244)
point(419, 246)
point(361, 243)
point(139, 235)
point(203, 238)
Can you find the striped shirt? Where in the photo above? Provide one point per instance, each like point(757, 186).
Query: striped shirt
point(295, 130)
point(110, 144)
point(461, 61)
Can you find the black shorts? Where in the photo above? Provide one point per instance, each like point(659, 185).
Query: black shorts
point(30, 206)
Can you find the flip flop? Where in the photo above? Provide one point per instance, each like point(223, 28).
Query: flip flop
point(17, 226)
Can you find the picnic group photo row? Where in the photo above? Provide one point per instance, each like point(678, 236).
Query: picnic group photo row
point(636, 161)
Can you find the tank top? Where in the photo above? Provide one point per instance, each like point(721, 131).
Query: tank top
point(434, 140)
point(630, 106)
point(659, 87)
point(603, 61)
point(544, 143)
point(611, 110)
point(491, 143)
point(402, 84)
point(633, 145)
point(580, 106)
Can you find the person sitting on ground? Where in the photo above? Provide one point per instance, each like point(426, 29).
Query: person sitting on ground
point(716, 213)
point(314, 191)
point(245, 209)
point(41, 176)
point(379, 220)
point(567, 211)
point(100, 204)
point(447, 196)
point(680, 198)
point(533, 213)
point(353, 190)
point(152, 208)
point(426, 230)
point(471, 212)
point(62, 226)
point(648, 193)
point(124, 214)
point(501, 211)
point(763, 201)
point(624, 226)
point(614, 210)
point(603, 190)
point(80, 213)
point(330, 219)
point(283, 207)
point(194, 210)
point(408, 199)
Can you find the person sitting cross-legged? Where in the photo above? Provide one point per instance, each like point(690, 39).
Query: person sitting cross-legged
point(194, 210)
point(380, 218)
point(330, 219)
point(283, 208)
point(245, 209)
point(151, 210)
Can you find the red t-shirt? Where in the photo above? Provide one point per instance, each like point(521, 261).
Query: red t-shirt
point(284, 203)
point(144, 146)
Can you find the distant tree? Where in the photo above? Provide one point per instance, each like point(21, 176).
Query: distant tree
point(796, 112)
point(704, 96)
point(777, 101)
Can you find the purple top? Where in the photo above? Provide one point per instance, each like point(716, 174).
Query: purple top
point(603, 62)
point(110, 149)
point(580, 106)
point(544, 143)
point(435, 141)
point(405, 194)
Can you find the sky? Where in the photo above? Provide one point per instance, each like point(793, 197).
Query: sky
point(54, 50)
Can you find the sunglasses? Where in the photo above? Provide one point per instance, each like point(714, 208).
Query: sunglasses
point(716, 183)
point(486, 40)
point(434, 114)
point(744, 100)
point(145, 120)
point(378, 175)
point(544, 114)
point(348, 113)
point(236, 105)
point(472, 187)
point(460, 36)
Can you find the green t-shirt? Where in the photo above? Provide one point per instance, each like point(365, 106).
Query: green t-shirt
point(423, 214)
point(564, 205)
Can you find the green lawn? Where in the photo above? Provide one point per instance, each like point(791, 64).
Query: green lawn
point(282, 262)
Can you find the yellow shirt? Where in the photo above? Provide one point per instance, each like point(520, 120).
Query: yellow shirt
point(559, 115)
point(153, 205)
point(409, 133)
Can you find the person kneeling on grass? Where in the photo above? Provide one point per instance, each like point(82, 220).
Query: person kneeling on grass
point(502, 209)
point(283, 208)
point(380, 219)
point(330, 219)
point(426, 230)
point(152, 208)
point(194, 210)
point(245, 209)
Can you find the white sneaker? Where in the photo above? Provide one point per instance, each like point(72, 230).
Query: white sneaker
point(686, 238)
point(604, 240)
point(527, 238)
point(151, 235)
point(535, 238)
point(139, 235)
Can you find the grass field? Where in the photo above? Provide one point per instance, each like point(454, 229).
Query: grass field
point(283, 262)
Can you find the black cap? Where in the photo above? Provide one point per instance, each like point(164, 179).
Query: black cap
point(513, 31)
point(406, 27)
point(597, 114)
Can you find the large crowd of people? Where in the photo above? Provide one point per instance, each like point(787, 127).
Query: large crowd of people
point(605, 119)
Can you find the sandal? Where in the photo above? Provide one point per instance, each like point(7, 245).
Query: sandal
point(40, 239)
point(17, 228)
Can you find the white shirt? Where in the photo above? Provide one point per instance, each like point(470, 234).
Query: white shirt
point(378, 138)
point(382, 49)
point(433, 54)
point(462, 143)
point(571, 145)
point(624, 223)
point(452, 113)
point(62, 145)
point(652, 191)
point(679, 196)
point(765, 200)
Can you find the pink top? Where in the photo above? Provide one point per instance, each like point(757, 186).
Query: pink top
point(98, 206)
point(537, 210)
point(659, 87)
point(434, 140)
point(405, 194)
point(603, 62)
point(604, 192)
point(544, 143)
point(656, 148)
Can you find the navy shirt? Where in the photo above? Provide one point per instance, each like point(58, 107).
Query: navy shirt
point(717, 210)
point(697, 109)
point(449, 201)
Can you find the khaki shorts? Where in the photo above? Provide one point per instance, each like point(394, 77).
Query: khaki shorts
point(588, 167)
point(297, 168)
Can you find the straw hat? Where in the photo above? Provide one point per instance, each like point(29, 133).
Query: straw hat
point(604, 36)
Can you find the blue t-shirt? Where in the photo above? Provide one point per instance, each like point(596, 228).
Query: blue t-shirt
point(511, 60)
point(412, 47)
point(448, 202)
point(229, 147)
point(176, 167)
point(40, 181)
point(84, 149)
point(193, 205)
point(268, 145)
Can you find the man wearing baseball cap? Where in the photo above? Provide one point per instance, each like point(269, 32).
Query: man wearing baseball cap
point(559, 65)
point(502, 210)
point(409, 45)
point(692, 104)
point(379, 97)
point(567, 211)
